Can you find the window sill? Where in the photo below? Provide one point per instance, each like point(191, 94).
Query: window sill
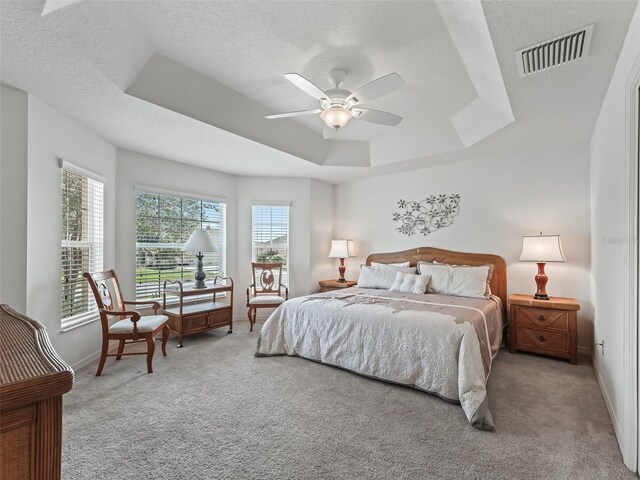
point(79, 322)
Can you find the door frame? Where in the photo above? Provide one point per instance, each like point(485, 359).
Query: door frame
point(631, 443)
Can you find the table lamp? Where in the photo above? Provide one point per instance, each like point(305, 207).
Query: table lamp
point(342, 249)
point(541, 249)
point(199, 242)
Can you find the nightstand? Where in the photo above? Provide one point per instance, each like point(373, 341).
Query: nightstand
point(327, 285)
point(548, 327)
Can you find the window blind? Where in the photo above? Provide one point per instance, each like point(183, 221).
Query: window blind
point(270, 236)
point(164, 223)
point(81, 243)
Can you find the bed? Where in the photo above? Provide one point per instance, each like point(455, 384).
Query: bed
point(441, 344)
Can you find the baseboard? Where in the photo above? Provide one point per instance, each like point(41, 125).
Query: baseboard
point(86, 360)
point(607, 401)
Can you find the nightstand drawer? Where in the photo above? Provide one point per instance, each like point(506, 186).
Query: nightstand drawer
point(544, 318)
point(540, 340)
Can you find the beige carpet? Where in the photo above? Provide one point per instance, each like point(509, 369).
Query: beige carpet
point(212, 410)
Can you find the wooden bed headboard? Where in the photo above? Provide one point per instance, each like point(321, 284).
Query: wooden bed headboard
point(428, 254)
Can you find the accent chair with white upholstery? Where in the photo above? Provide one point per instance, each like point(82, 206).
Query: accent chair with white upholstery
point(130, 327)
point(267, 289)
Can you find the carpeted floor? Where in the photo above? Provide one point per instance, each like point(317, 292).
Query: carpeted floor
point(212, 410)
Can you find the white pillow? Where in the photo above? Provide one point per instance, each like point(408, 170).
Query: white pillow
point(468, 281)
point(439, 274)
point(380, 276)
point(487, 292)
point(402, 264)
point(410, 283)
point(461, 281)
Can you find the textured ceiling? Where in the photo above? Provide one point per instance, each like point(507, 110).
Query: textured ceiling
point(81, 58)
point(445, 55)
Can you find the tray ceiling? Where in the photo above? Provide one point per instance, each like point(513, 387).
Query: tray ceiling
point(191, 81)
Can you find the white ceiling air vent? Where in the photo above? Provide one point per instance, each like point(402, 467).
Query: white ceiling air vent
point(557, 51)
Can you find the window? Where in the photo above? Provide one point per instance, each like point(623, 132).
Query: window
point(164, 223)
point(271, 236)
point(82, 242)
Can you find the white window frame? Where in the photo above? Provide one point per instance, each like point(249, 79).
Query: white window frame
point(256, 203)
point(188, 196)
point(95, 242)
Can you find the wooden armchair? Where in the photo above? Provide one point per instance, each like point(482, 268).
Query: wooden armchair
point(267, 289)
point(131, 327)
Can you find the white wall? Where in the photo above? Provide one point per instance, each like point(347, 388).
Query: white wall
point(321, 232)
point(52, 135)
point(48, 135)
point(310, 218)
point(610, 237)
point(135, 169)
point(13, 197)
point(503, 196)
point(310, 226)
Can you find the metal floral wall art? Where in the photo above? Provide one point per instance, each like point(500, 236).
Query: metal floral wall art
point(428, 215)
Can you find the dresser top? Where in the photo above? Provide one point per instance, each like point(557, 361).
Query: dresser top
point(29, 367)
point(556, 303)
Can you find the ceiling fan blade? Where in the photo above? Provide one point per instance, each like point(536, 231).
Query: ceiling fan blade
point(329, 132)
point(293, 114)
point(378, 116)
point(306, 86)
point(376, 88)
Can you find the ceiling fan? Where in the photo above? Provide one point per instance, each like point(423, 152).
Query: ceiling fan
point(338, 106)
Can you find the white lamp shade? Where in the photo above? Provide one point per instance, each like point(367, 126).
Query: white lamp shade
point(336, 117)
point(342, 249)
point(200, 241)
point(541, 249)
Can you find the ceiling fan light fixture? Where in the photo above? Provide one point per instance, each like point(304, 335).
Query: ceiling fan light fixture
point(338, 106)
point(336, 117)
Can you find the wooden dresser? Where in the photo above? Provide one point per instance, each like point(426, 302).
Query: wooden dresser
point(548, 327)
point(32, 381)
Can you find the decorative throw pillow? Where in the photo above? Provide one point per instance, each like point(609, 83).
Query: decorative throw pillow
point(380, 276)
point(410, 283)
point(402, 264)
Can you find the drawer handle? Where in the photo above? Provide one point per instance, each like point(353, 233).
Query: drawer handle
point(541, 318)
point(541, 338)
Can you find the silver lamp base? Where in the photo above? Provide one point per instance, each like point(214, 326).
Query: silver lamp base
point(200, 275)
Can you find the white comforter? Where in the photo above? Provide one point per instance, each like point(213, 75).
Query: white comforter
point(440, 344)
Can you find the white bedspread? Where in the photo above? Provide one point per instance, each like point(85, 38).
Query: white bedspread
point(440, 344)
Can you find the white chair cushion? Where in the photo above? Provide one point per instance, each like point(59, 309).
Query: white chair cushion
point(145, 324)
point(266, 300)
